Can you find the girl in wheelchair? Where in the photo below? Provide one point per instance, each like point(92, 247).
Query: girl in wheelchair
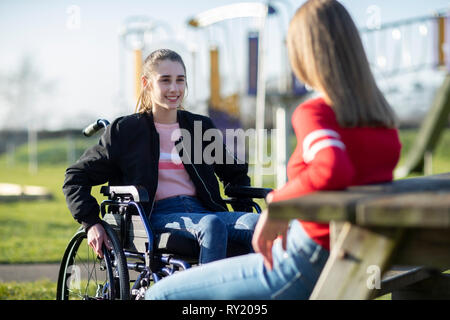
point(148, 148)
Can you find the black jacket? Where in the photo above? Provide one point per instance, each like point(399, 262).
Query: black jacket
point(128, 154)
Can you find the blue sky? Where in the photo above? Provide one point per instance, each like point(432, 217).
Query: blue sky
point(82, 64)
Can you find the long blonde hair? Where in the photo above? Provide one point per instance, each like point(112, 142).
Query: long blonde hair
point(326, 52)
point(144, 103)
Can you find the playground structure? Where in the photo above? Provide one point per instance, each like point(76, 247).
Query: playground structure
point(395, 50)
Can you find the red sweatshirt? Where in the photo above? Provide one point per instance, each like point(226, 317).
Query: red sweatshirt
point(328, 157)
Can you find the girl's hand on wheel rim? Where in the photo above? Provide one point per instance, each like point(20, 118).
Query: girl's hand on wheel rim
point(96, 237)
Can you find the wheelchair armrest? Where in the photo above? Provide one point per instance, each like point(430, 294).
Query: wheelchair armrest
point(134, 193)
point(246, 192)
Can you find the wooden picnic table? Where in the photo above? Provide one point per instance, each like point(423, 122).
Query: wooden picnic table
point(376, 227)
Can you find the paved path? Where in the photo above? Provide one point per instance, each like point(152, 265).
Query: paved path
point(34, 272)
point(28, 272)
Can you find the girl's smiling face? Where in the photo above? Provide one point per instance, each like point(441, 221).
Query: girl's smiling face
point(167, 85)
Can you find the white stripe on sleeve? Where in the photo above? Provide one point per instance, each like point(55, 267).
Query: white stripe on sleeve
point(310, 149)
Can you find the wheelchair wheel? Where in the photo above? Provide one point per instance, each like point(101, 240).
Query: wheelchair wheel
point(84, 276)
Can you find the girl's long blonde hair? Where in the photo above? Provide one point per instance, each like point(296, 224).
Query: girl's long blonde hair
point(144, 102)
point(326, 52)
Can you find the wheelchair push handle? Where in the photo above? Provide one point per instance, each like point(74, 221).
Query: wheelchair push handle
point(236, 191)
point(94, 127)
point(133, 193)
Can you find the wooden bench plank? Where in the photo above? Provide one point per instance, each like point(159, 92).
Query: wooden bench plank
point(326, 206)
point(425, 210)
point(425, 183)
point(318, 206)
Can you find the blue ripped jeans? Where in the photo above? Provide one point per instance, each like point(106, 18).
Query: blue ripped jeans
point(294, 274)
point(212, 230)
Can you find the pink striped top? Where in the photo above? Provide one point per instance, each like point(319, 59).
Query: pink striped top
point(173, 179)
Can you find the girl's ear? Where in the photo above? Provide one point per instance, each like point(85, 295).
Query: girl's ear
point(145, 82)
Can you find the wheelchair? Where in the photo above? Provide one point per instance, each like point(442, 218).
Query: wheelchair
point(138, 257)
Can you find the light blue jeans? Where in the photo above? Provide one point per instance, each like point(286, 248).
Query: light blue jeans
point(295, 272)
point(212, 230)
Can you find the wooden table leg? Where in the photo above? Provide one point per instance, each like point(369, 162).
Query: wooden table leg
point(356, 263)
point(335, 230)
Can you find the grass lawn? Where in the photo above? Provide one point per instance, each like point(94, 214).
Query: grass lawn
point(33, 232)
point(36, 231)
point(38, 290)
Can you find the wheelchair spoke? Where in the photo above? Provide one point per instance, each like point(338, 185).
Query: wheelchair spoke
point(93, 270)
